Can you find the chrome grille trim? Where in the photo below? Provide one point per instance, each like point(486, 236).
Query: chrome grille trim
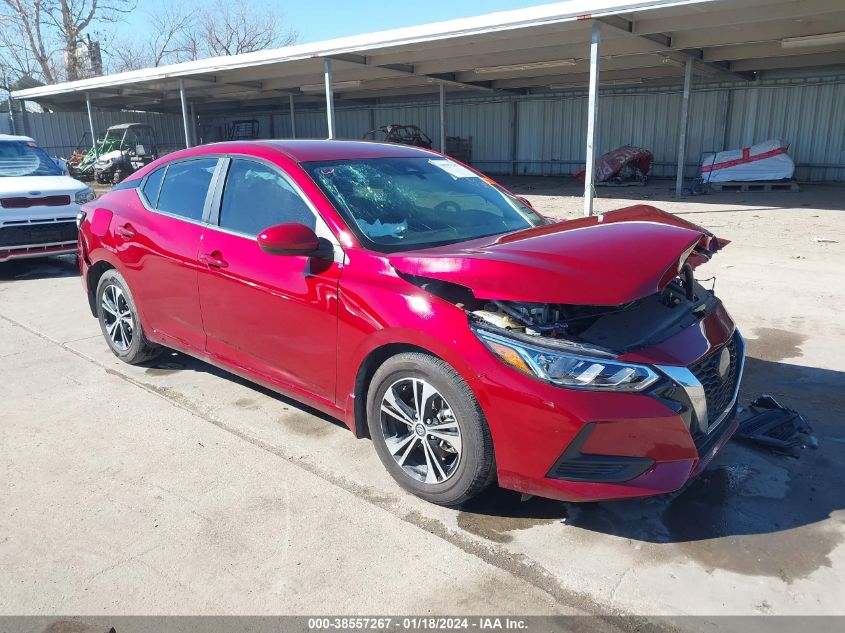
point(694, 389)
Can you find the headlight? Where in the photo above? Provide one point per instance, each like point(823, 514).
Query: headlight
point(568, 370)
point(84, 195)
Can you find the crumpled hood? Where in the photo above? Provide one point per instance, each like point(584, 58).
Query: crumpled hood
point(610, 259)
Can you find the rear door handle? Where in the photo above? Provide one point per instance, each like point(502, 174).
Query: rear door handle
point(213, 260)
point(126, 231)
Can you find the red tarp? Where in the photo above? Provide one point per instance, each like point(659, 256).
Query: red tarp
point(609, 165)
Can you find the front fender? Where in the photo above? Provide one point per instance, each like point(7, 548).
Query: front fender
point(377, 307)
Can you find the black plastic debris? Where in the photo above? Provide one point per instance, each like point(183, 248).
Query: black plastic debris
point(768, 423)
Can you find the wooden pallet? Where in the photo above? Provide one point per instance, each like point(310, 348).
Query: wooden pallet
point(775, 185)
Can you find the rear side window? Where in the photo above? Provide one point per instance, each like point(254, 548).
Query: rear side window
point(185, 187)
point(152, 186)
point(257, 196)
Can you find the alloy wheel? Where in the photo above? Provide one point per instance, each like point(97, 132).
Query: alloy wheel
point(117, 317)
point(421, 431)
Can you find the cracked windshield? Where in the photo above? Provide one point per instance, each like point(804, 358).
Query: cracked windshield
point(396, 204)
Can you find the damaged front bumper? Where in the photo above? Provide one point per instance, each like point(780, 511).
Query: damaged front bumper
point(706, 396)
point(628, 445)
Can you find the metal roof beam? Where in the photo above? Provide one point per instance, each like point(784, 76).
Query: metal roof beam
point(761, 31)
point(661, 39)
point(797, 61)
point(761, 50)
point(627, 26)
point(624, 62)
point(611, 47)
point(548, 35)
point(445, 78)
point(751, 13)
point(217, 81)
point(580, 79)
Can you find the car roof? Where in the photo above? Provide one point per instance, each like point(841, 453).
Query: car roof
point(123, 126)
point(306, 150)
point(12, 137)
point(300, 151)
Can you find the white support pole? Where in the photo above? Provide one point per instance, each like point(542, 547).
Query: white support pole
point(327, 69)
point(442, 118)
point(292, 117)
point(184, 112)
point(682, 131)
point(91, 125)
point(194, 135)
point(9, 99)
point(592, 111)
point(23, 118)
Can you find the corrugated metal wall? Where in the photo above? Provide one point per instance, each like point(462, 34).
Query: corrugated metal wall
point(60, 133)
point(551, 132)
point(809, 117)
point(545, 134)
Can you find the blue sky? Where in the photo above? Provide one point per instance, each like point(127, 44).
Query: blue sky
point(317, 20)
point(324, 20)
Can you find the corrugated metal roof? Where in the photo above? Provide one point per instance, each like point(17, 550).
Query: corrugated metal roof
point(384, 41)
point(525, 50)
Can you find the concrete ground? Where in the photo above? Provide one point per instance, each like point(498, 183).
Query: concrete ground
point(176, 488)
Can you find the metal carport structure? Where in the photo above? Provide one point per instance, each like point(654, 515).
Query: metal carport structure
point(537, 49)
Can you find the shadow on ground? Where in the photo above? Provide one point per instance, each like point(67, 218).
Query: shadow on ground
point(172, 362)
point(751, 511)
point(38, 268)
point(816, 196)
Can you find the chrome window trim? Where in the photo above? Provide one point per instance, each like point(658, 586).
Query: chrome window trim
point(140, 188)
point(204, 220)
point(321, 228)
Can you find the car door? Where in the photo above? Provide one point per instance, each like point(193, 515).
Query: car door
point(158, 246)
point(274, 314)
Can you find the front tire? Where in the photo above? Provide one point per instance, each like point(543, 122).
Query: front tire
point(428, 429)
point(119, 321)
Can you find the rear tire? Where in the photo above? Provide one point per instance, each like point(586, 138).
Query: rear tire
point(428, 429)
point(120, 322)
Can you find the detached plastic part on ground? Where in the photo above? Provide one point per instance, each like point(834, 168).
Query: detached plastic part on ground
point(766, 422)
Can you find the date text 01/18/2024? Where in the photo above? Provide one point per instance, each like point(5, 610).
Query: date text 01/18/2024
point(428, 623)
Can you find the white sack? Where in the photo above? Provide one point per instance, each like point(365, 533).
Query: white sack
point(765, 161)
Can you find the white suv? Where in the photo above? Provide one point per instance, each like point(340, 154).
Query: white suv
point(38, 203)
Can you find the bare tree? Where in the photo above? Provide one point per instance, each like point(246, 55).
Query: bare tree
point(169, 42)
point(179, 33)
point(40, 36)
point(239, 26)
point(27, 45)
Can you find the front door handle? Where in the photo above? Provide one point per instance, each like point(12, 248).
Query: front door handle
point(213, 260)
point(126, 231)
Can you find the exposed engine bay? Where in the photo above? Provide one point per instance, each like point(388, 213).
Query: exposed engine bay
point(611, 329)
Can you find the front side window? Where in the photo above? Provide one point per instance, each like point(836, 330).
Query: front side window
point(25, 158)
point(257, 196)
point(396, 204)
point(185, 187)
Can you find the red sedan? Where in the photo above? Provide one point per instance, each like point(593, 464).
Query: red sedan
point(429, 309)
